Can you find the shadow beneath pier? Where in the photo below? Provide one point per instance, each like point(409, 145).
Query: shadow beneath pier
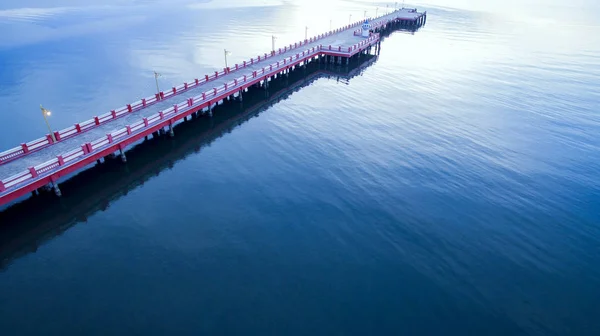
point(27, 225)
point(399, 26)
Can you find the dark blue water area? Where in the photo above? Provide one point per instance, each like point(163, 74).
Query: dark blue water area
point(448, 186)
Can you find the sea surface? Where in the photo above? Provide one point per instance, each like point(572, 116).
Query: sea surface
point(447, 186)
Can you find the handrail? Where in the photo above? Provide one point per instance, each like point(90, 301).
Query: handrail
point(26, 148)
point(155, 119)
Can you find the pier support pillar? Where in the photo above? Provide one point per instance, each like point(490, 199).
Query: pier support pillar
point(171, 132)
point(210, 114)
point(240, 96)
point(123, 157)
point(56, 189)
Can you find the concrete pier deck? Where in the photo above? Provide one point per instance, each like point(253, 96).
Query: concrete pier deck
point(44, 161)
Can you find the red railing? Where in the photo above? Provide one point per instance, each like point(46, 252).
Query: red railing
point(132, 130)
point(25, 149)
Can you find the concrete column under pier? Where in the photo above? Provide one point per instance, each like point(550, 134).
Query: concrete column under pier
point(56, 189)
point(123, 157)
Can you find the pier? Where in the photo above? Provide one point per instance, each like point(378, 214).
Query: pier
point(42, 163)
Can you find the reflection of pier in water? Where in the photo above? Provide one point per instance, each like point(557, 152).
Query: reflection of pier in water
point(23, 230)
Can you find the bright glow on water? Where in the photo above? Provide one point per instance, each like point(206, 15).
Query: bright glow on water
point(450, 188)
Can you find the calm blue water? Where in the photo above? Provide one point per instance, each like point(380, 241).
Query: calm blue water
point(449, 188)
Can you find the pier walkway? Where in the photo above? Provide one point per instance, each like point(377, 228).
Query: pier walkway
point(44, 161)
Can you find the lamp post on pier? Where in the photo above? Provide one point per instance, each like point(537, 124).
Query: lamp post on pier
point(306, 33)
point(376, 10)
point(330, 24)
point(226, 54)
point(46, 114)
point(273, 38)
point(156, 75)
point(350, 19)
point(365, 14)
